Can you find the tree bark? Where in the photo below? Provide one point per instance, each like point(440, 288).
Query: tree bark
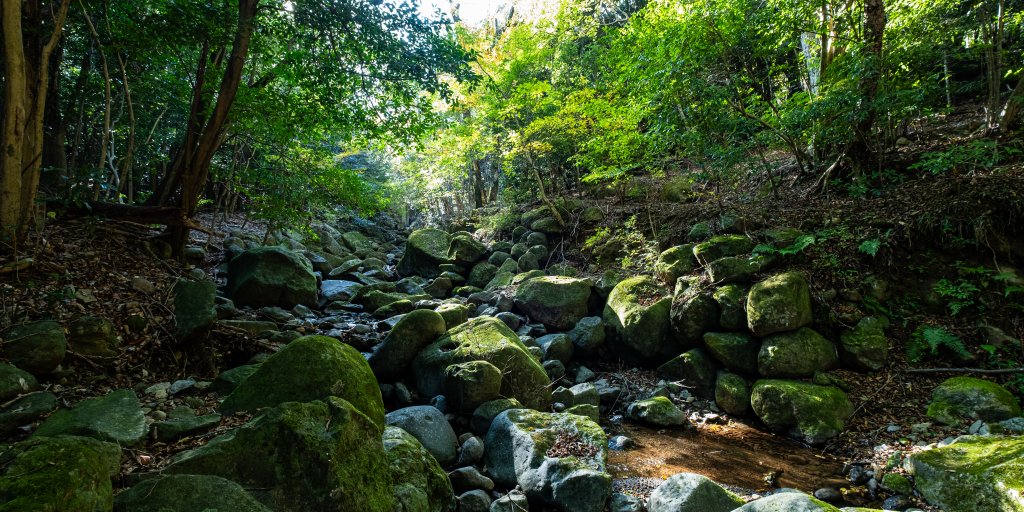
point(15, 99)
point(864, 152)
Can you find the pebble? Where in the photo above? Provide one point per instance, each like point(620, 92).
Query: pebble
point(469, 478)
point(474, 501)
point(471, 452)
point(158, 390)
point(898, 502)
point(828, 494)
point(973, 429)
point(620, 443)
point(181, 385)
point(892, 429)
point(143, 285)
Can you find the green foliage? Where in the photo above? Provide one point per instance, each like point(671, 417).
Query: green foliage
point(978, 154)
point(927, 340)
point(799, 244)
point(870, 247)
point(959, 294)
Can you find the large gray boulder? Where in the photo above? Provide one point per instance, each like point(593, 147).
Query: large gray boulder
point(808, 412)
point(962, 398)
point(637, 312)
point(425, 250)
point(797, 353)
point(271, 276)
point(974, 473)
point(689, 492)
point(420, 483)
point(559, 460)
point(557, 302)
point(390, 360)
point(316, 455)
point(484, 339)
point(428, 425)
point(779, 303)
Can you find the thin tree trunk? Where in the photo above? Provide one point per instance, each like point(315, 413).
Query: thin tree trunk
point(79, 98)
point(15, 113)
point(1009, 118)
point(102, 164)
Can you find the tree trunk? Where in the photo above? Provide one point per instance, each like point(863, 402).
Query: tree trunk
point(15, 99)
point(863, 151)
point(1010, 115)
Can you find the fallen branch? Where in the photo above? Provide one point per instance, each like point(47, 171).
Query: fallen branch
point(983, 371)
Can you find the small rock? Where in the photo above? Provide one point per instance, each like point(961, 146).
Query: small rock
point(625, 503)
point(828, 494)
point(143, 285)
point(429, 426)
point(620, 443)
point(514, 501)
point(469, 478)
point(471, 452)
point(474, 501)
point(898, 502)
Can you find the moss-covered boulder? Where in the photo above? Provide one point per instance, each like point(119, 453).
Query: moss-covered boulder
point(454, 314)
point(733, 269)
point(693, 368)
point(737, 351)
point(58, 474)
point(228, 380)
point(721, 246)
point(25, 410)
point(271, 276)
point(546, 225)
point(93, 336)
point(674, 262)
point(798, 353)
point(557, 302)
point(424, 251)
point(637, 312)
point(116, 417)
point(484, 339)
point(732, 302)
point(14, 382)
point(310, 368)
point(778, 304)
point(481, 274)
point(657, 411)
point(787, 502)
point(974, 473)
point(187, 493)
point(732, 393)
point(36, 347)
point(194, 313)
point(693, 313)
point(390, 360)
point(811, 413)
point(559, 460)
point(466, 250)
point(690, 492)
point(482, 416)
point(420, 483)
point(357, 242)
point(501, 280)
point(961, 398)
point(865, 347)
point(470, 384)
point(302, 456)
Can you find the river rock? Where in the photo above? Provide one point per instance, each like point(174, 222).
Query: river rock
point(721, 246)
point(419, 482)
point(186, 493)
point(424, 251)
point(814, 414)
point(271, 276)
point(14, 382)
point(194, 311)
point(470, 384)
point(116, 417)
point(36, 347)
point(557, 459)
point(736, 350)
point(778, 304)
point(732, 393)
point(476, 500)
point(514, 501)
point(960, 398)
point(693, 368)
point(482, 417)
point(588, 335)
point(689, 492)
point(310, 368)
point(58, 474)
point(453, 314)
point(658, 411)
point(468, 477)
point(484, 339)
point(787, 502)
point(732, 302)
point(637, 312)
point(429, 426)
point(181, 422)
point(339, 289)
point(674, 262)
point(556, 347)
point(466, 250)
point(974, 473)
point(557, 302)
point(693, 313)
point(865, 347)
point(390, 360)
point(481, 274)
point(799, 353)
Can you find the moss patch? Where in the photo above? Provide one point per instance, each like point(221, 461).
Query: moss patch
point(975, 473)
point(58, 474)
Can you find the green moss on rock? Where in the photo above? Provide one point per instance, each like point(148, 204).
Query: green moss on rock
point(721, 246)
point(658, 411)
point(557, 302)
point(187, 493)
point(674, 262)
point(424, 251)
point(37, 347)
point(116, 417)
point(421, 485)
point(391, 358)
point(58, 474)
point(271, 276)
point(961, 398)
point(736, 350)
point(778, 304)
point(638, 312)
point(814, 414)
point(973, 474)
point(798, 353)
point(732, 393)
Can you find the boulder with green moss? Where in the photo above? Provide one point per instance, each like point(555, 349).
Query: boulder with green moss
point(690, 492)
point(420, 484)
point(319, 455)
point(187, 493)
point(674, 262)
point(798, 353)
point(732, 302)
point(271, 276)
point(787, 502)
point(25, 410)
point(96, 336)
point(310, 368)
point(14, 382)
point(721, 246)
point(693, 313)
point(57, 474)
point(36, 347)
point(808, 412)
point(732, 393)
point(501, 280)
point(116, 417)
point(390, 360)
point(454, 314)
point(658, 411)
point(559, 460)
point(865, 347)
point(194, 313)
point(466, 250)
point(424, 251)
point(481, 274)
point(638, 313)
point(962, 398)
point(975, 473)
point(557, 302)
point(737, 351)
point(734, 269)
point(482, 416)
point(484, 339)
point(779, 303)
point(695, 369)
point(470, 384)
